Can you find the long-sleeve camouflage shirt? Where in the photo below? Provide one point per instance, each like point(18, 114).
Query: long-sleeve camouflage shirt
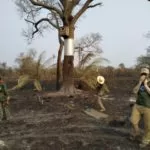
point(102, 89)
point(3, 91)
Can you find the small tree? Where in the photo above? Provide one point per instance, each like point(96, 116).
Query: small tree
point(88, 47)
point(3, 68)
point(31, 68)
point(89, 59)
point(62, 15)
point(121, 66)
point(144, 59)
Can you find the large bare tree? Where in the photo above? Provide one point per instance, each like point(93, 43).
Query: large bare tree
point(61, 15)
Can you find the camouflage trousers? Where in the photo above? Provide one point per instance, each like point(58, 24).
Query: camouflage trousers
point(137, 111)
point(4, 112)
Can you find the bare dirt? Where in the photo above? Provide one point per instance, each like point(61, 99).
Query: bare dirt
point(58, 122)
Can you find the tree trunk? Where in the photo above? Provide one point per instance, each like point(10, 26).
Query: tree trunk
point(59, 72)
point(68, 82)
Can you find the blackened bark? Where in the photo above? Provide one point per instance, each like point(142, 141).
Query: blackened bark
point(68, 82)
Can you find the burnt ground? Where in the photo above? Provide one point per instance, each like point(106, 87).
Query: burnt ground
point(58, 122)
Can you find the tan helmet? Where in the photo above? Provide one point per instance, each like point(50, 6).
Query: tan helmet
point(144, 70)
point(100, 79)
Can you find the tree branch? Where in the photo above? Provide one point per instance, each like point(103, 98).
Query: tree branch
point(83, 9)
point(36, 10)
point(91, 6)
point(46, 6)
point(35, 24)
point(31, 12)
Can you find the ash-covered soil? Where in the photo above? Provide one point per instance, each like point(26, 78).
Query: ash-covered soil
point(57, 122)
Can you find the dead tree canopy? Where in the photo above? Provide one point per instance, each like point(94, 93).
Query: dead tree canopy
point(43, 14)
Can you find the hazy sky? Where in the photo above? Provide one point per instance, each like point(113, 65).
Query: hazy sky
point(122, 24)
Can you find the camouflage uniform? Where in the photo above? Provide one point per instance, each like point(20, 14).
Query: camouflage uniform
point(4, 108)
point(101, 89)
point(142, 107)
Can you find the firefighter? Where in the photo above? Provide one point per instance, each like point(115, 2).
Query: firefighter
point(101, 89)
point(142, 107)
point(4, 101)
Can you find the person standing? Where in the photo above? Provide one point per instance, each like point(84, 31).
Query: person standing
point(101, 90)
point(142, 107)
point(4, 101)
